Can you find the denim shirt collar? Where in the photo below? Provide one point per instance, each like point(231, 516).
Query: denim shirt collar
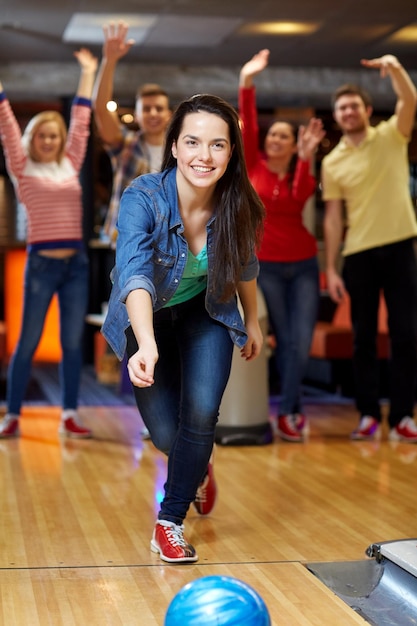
point(169, 184)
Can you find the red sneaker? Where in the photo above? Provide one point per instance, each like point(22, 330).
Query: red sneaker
point(168, 541)
point(302, 425)
point(288, 428)
point(406, 430)
point(9, 427)
point(368, 429)
point(71, 426)
point(206, 495)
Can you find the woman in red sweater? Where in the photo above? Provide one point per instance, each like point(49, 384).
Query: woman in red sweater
point(289, 273)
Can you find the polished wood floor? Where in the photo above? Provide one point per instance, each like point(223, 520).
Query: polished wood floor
point(77, 517)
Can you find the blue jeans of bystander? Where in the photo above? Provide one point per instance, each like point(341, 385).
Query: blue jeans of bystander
point(291, 292)
point(43, 278)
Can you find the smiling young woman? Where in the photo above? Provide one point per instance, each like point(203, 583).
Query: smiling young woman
point(44, 165)
point(186, 246)
point(289, 273)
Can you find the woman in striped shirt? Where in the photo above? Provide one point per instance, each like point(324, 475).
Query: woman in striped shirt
point(44, 165)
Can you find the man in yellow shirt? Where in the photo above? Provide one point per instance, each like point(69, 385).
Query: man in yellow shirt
point(367, 174)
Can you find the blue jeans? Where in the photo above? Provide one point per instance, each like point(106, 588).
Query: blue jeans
point(291, 292)
point(391, 268)
point(43, 277)
point(181, 408)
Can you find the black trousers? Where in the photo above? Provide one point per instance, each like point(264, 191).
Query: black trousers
point(393, 269)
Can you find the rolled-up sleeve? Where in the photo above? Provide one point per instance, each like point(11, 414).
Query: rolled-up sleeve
point(137, 282)
point(251, 269)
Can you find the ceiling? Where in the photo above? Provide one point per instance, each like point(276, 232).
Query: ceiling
point(213, 32)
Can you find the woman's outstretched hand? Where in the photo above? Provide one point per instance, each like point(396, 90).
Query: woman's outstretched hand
point(141, 366)
point(309, 138)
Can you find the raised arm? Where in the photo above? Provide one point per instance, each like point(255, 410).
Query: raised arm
point(247, 106)
point(257, 64)
point(115, 47)
point(88, 64)
point(402, 85)
point(79, 126)
point(11, 137)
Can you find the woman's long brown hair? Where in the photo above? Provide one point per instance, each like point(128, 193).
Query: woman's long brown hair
point(239, 212)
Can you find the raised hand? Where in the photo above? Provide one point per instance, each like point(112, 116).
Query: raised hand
point(384, 63)
point(257, 63)
point(115, 44)
point(309, 138)
point(87, 61)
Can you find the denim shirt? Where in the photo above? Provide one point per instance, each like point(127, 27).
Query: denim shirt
point(151, 253)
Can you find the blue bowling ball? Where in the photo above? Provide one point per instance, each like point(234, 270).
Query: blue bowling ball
point(217, 601)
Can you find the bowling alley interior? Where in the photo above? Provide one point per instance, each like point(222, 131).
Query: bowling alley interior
point(315, 531)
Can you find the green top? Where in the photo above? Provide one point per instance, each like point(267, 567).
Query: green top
point(194, 279)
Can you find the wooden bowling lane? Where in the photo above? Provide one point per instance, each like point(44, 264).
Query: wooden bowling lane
point(78, 517)
point(139, 595)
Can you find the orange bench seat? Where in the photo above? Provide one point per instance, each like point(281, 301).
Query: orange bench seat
point(334, 340)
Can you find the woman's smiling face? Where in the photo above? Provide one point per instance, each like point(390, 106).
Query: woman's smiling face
point(203, 149)
point(280, 141)
point(47, 142)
